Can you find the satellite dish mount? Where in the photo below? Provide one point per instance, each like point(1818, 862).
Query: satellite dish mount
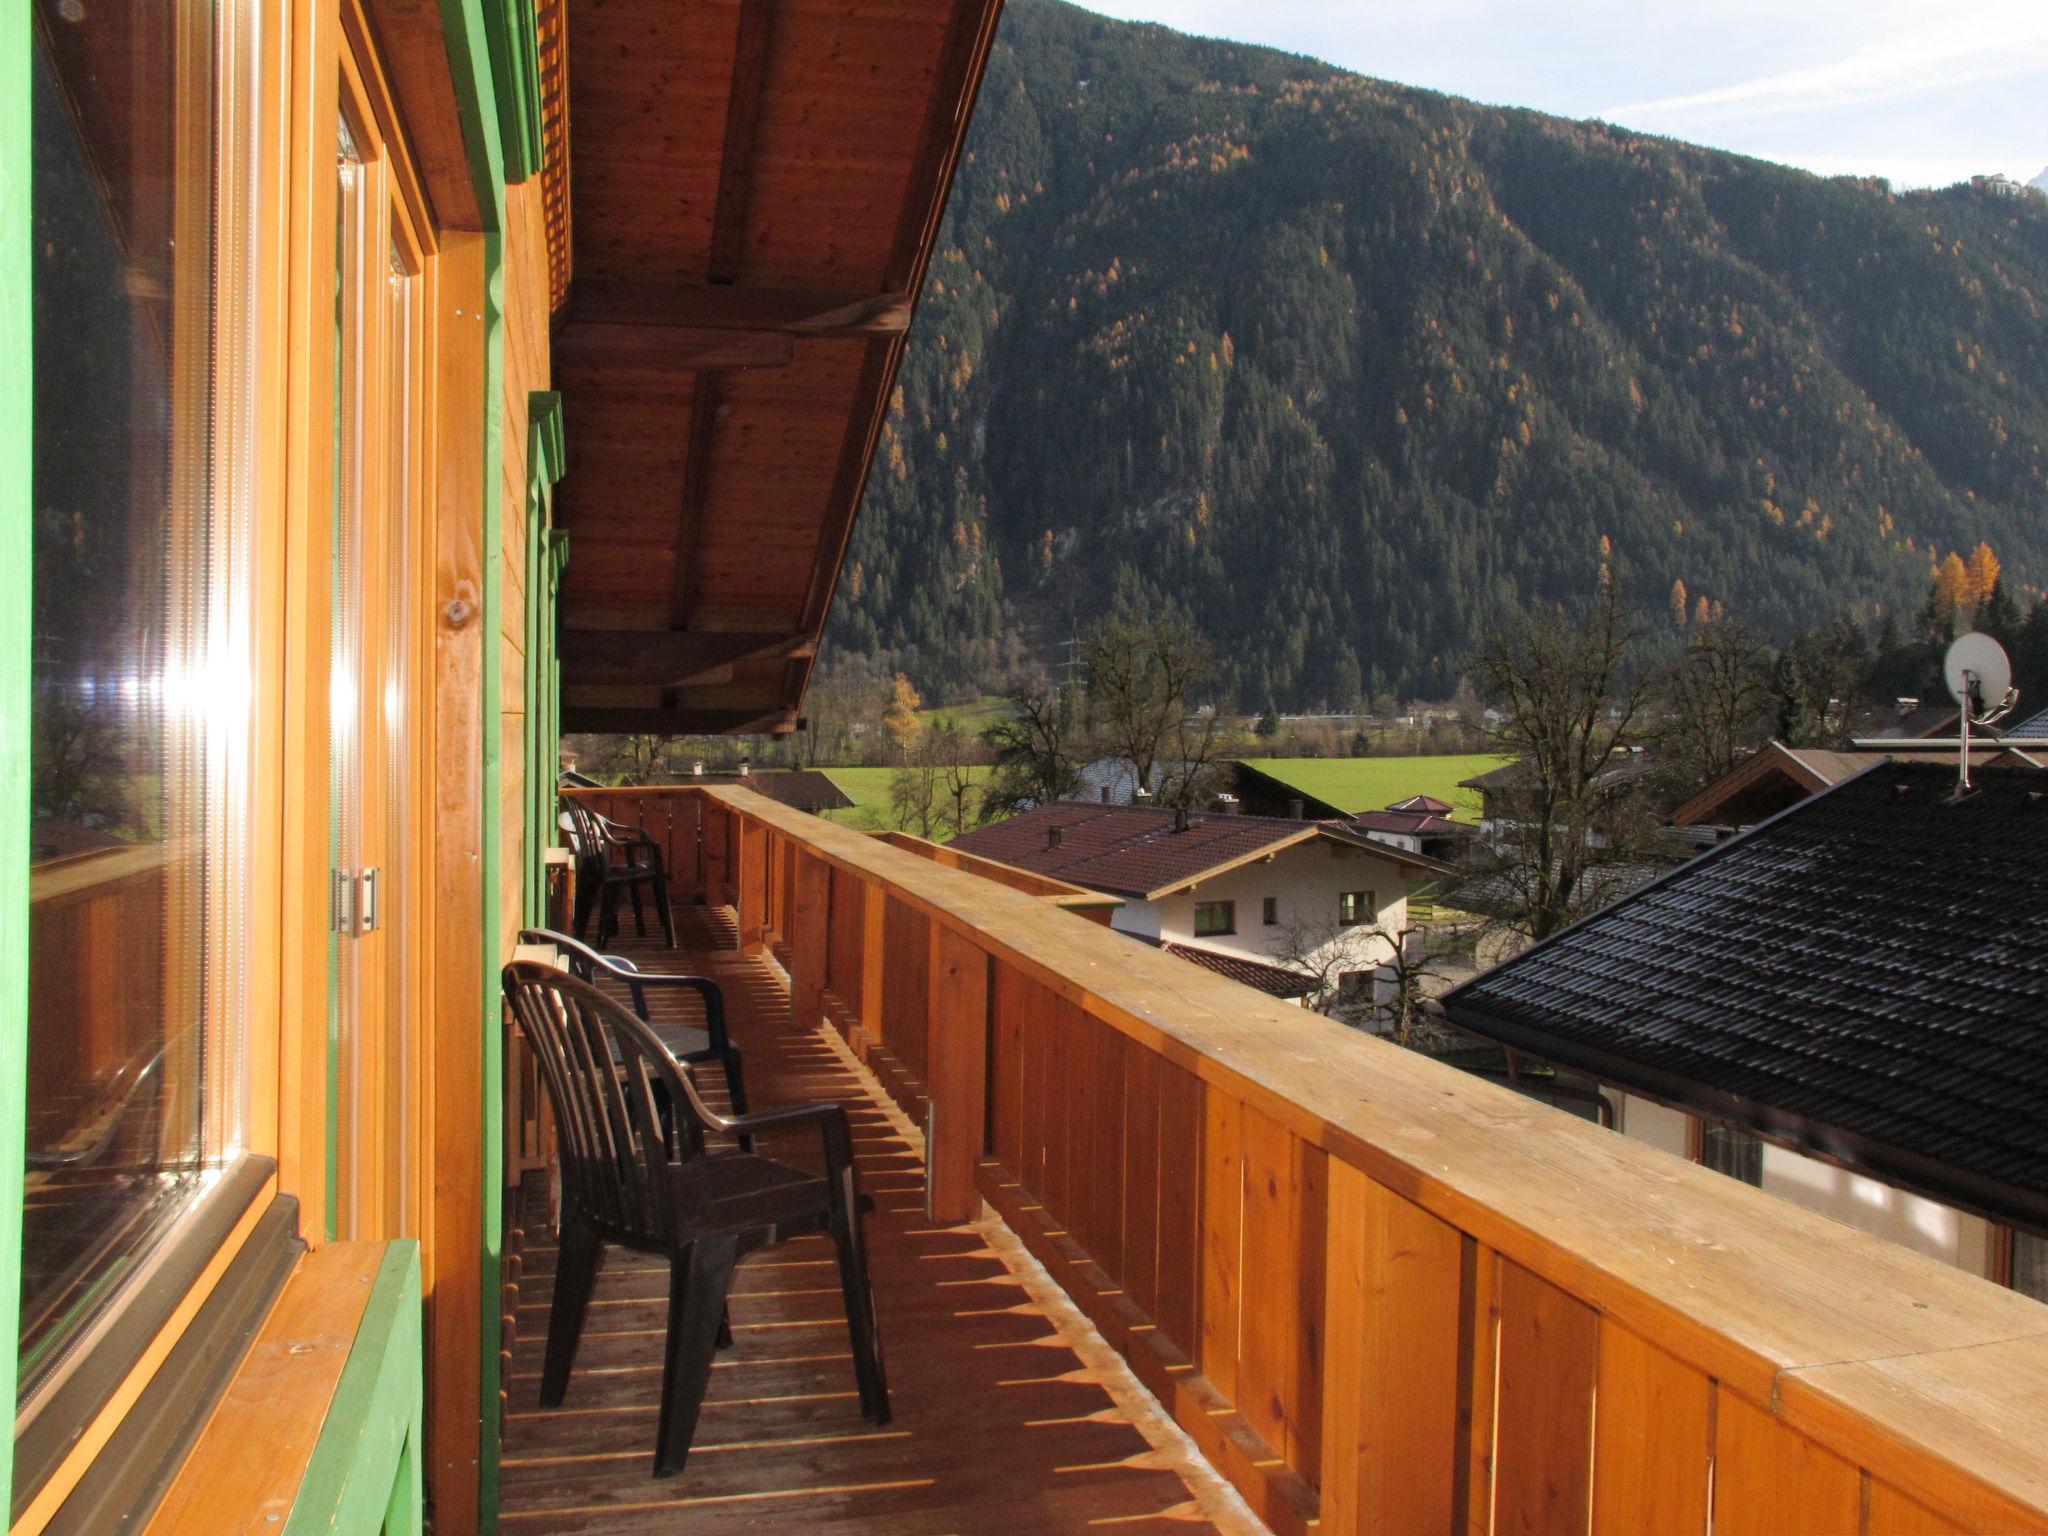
point(1979, 678)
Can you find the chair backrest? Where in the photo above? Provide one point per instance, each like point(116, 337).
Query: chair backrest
point(627, 1118)
point(586, 836)
point(586, 964)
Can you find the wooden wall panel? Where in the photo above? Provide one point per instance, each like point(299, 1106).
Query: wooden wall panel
point(1222, 1228)
point(1142, 1112)
point(1179, 1264)
point(1279, 1385)
point(1543, 1414)
point(1770, 1479)
point(1652, 1439)
point(957, 1075)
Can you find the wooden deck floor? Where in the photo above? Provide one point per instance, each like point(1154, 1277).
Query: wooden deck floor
point(1002, 1424)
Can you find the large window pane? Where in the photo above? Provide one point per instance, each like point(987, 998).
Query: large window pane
point(138, 684)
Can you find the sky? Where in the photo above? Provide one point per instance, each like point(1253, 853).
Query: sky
point(1925, 92)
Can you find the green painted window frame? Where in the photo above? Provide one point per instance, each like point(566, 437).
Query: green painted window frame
point(16, 561)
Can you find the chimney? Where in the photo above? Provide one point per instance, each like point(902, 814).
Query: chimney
point(745, 766)
point(1141, 796)
point(1294, 809)
point(1052, 837)
point(1904, 706)
point(697, 769)
point(1105, 794)
point(1180, 818)
point(1229, 805)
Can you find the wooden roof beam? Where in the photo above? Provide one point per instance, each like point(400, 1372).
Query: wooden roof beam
point(669, 658)
point(613, 720)
point(705, 406)
point(691, 349)
point(733, 306)
point(751, 46)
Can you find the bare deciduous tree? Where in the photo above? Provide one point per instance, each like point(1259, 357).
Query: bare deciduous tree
point(1573, 801)
point(1716, 704)
point(1036, 750)
point(1395, 961)
point(1146, 672)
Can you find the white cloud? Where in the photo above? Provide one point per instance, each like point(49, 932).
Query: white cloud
point(2006, 40)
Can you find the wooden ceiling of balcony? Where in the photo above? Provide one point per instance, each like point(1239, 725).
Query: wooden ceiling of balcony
point(757, 187)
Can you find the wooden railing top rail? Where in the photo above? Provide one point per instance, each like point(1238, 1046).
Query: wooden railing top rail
point(1888, 1355)
point(1063, 893)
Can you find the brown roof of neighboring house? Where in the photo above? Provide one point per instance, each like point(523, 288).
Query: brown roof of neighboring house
point(1927, 720)
point(1135, 851)
point(1273, 980)
point(1748, 789)
point(1410, 823)
point(1428, 803)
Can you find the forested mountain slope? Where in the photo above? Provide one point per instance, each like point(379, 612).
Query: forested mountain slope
point(1345, 366)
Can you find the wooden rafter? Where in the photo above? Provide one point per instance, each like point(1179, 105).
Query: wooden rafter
point(756, 35)
point(723, 306)
point(671, 658)
point(681, 348)
point(705, 404)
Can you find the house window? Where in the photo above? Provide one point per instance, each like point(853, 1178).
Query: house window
point(2030, 1265)
point(140, 665)
point(1215, 917)
point(1269, 911)
point(1355, 907)
point(1731, 1150)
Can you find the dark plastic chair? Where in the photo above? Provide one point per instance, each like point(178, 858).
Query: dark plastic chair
point(687, 1044)
point(632, 1176)
point(600, 877)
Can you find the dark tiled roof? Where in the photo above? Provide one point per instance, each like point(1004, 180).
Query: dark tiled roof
point(1273, 980)
point(1133, 851)
point(2033, 728)
point(1866, 974)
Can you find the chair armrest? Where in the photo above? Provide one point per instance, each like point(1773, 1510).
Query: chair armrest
point(830, 1119)
point(638, 981)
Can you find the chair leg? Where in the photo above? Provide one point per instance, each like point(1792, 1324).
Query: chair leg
point(699, 1278)
point(736, 1089)
point(663, 905)
point(576, 1266)
point(608, 917)
point(639, 917)
point(868, 1371)
point(587, 892)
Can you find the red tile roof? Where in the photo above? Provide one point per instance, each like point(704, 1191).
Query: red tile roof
point(1428, 803)
point(1408, 823)
point(1134, 851)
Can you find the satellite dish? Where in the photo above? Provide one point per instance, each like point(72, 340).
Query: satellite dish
point(1978, 675)
point(1979, 679)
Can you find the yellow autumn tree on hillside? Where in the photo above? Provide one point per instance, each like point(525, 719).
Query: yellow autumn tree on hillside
point(1952, 592)
point(903, 724)
point(1983, 573)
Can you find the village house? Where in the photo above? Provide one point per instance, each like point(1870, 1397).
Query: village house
point(1842, 1006)
point(1297, 899)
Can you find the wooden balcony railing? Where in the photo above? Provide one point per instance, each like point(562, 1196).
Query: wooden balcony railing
point(1378, 1293)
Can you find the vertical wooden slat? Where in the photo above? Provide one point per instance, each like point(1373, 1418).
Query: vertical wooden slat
point(1063, 1021)
point(752, 897)
point(1140, 1129)
point(957, 1079)
point(1544, 1414)
point(1650, 1439)
point(1393, 1312)
point(1181, 1108)
point(810, 917)
point(1222, 1239)
point(1035, 1021)
point(1006, 1070)
point(1279, 1358)
point(1478, 1379)
point(1769, 1479)
point(1106, 1150)
point(873, 969)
